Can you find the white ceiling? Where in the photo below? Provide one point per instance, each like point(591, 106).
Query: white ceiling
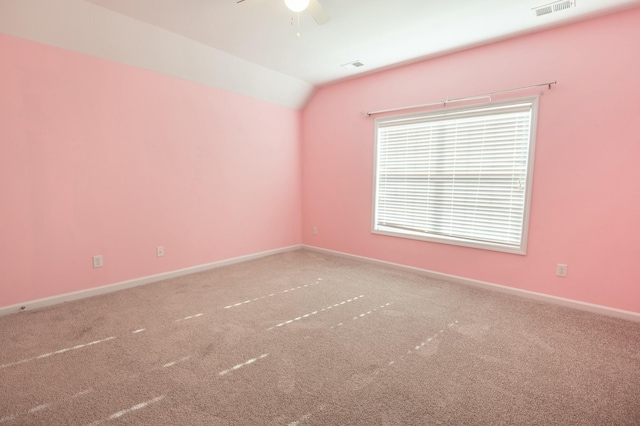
point(252, 48)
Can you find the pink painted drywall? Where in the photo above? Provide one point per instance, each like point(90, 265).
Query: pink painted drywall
point(102, 158)
point(586, 198)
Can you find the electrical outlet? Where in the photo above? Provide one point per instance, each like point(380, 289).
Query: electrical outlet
point(561, 270)
point(160, 251)
point(97, 261)
point(314, 230)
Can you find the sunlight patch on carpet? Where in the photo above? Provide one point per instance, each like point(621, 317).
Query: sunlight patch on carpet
point(273, 294)
point(129, 410)
point(244, 364)
point(136, 407)
point(82, 393)
point(363, 314)
point(189, 317)
point(425, 343)
point(300, 420)
point(38, 408)
point(172, 363)
point(315, 312)
point(60, 351)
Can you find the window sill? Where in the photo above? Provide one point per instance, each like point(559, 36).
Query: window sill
point(451, 241)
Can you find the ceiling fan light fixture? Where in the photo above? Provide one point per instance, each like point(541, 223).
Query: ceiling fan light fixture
point(297, 5)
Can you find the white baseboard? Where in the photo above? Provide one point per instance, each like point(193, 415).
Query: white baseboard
point(54, 300)
point(598, 309)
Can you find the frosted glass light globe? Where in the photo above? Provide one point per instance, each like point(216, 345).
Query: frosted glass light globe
point(297, 5)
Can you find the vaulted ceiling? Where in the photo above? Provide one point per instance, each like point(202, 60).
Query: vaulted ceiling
point(252, 47)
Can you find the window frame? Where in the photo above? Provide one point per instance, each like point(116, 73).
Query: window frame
point(451, 240)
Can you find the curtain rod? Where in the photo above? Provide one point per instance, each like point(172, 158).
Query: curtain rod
point(445, 102)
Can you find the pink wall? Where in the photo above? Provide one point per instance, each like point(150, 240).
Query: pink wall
point(102, 158)
point(586, 197)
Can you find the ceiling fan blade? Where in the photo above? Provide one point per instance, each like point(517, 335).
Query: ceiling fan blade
point(317, 11)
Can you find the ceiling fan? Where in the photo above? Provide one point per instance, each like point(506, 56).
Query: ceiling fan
point(313, 6)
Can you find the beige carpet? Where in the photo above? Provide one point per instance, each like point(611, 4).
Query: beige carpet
point(304, 338)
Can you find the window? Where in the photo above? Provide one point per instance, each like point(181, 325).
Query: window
point(460, 176)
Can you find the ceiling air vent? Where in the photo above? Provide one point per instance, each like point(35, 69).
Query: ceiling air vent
point(553, 7)
point(352, 65)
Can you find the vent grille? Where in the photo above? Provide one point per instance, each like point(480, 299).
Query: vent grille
point(352, 65)
point(543, 11)
point(561, 6)
point(553, 7)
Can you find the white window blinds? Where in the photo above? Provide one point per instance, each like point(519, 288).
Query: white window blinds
point(459, 176)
